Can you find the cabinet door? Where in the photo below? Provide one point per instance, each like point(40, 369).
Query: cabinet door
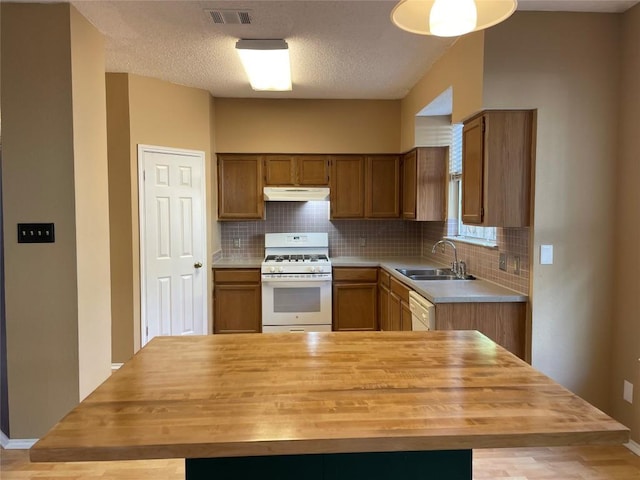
point(507, 167)
point(409, 180)
point(355, 306)
point(405, 320)
point(313, 170)
point(382, 186)
point(347, 186)
point(395, 312)
point(237, 309)
point(279, 170)
point(383, 308)
point(240, 187)
point(472, 171)
point(431, 183)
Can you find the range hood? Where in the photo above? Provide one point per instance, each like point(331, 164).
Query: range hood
point(295, 194)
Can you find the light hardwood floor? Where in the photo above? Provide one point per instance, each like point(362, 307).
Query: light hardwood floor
point(558, 463)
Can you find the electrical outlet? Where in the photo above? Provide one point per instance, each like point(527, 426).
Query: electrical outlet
point(627, 393)
point(363, 241)
point(516, 264)
point(502, 263)
point(236, 243)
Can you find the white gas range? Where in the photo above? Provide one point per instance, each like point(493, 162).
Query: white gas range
point(296, 283)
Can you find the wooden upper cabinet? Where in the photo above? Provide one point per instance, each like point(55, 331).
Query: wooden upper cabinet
point(240, 187)
point(409, 185)
point(279, 170)
point(313, 170)
point(347, 186)
point(424, 184)
point(497, 148)
point(472, 167)
point(382, 186)
point(288, 170)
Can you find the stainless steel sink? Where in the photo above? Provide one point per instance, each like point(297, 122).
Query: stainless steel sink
point(425, 271)
point(432, 274)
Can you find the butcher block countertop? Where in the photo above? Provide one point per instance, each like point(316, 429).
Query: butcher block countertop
point(279, 394)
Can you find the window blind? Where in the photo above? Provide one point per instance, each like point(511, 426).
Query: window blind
point(455, 152)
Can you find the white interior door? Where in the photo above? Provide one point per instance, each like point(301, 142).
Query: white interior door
point(172, 242)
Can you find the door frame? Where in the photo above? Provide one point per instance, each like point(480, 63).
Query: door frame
point(199, 154)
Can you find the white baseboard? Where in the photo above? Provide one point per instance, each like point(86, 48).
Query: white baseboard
point(115, 366)
point(16, 444)
point(633, 446)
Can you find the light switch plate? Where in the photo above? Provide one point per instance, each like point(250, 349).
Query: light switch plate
point(546, 254)
point(36, 233)
point(627, 393)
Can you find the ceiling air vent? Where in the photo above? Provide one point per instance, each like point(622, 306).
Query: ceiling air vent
point(230, 17)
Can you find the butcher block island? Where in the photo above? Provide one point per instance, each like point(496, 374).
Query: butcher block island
point(323, 405)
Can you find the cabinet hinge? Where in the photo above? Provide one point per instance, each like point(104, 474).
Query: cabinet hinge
point(144, 175)
point(483, 124)
point(481, 213)
point(147, 332)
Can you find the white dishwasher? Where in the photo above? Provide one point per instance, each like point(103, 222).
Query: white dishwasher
point(423, 313)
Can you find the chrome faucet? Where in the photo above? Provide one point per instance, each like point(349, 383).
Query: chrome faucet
point(455, 266)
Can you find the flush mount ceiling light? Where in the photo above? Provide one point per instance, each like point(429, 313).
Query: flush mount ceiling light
point(450, 18)
point(266, 63)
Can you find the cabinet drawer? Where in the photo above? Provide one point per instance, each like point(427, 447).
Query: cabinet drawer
point(383, 277)
point(400, 289)
point(356, 274)
point(236, 275)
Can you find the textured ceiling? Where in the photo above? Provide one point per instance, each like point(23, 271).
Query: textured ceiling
point(339, 49)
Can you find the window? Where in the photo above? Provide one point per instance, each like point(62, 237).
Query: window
point(458, 230)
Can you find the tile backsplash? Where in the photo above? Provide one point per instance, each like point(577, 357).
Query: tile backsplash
point(346, 237)
point(380, 238)
point(482, 261)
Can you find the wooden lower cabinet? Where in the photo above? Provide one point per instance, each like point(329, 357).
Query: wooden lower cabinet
point(400, 315)
point(393, 303)
point(504, 323)
point(237, 301)
point(383, 300)
point(355, 299)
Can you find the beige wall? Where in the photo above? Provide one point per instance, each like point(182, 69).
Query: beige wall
point(47, 313)
point(307, 126)
point(91, 203)
point(626, 328)
point(161, 114)
point(120, 223)
point(565, 65)
point(461, 67)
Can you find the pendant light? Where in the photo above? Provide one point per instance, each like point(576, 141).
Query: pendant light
point(450, 18)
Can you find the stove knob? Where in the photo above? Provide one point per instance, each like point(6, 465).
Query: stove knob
point(312, 269)
point(272, 269)
point(319, 269)
point(280, 269)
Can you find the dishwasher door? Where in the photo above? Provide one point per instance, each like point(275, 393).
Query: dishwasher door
point(423, 313)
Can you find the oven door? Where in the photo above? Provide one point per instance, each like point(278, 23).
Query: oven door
point(300, 301)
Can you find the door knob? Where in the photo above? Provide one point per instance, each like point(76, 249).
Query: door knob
point(197, 265)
